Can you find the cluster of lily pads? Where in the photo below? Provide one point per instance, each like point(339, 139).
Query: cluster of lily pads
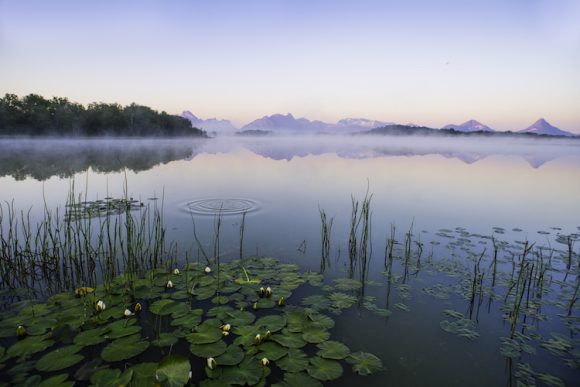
point(235, 324)
point(102, 207)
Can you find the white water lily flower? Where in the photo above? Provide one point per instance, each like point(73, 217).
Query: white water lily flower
point(176, 271)
point(226, 327)
point(265, 361)
point(225, 333)
point(211, 363)
point(169, 284)
point(268, 291)
point(207, 269)
point(128, 313)
point(258, 339)
point(100, 306)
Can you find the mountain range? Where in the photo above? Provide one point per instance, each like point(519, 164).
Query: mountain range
point(289, 123)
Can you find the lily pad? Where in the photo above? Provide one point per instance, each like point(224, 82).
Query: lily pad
point(324, 369)
point(250, 372)
point(289, 340)
point(205, 334)
point(173, 371)
point(299, 379)
point(294, 361)
point(341, 300)
point(59, 359)
point(208, 350)
point(315, 335)
point(232, 356)
point(165, 339)
point(272, 351)
point(91, 337)
point(57, 381)
point(111, 378)
point(125, 348)
point(333, 350)
point(364, 363)
point(272, 323)
point(162, 307)
point(28, 346)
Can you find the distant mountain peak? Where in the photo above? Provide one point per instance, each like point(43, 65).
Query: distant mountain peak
point(210, 124)
point(542, 126)
point(470, 126)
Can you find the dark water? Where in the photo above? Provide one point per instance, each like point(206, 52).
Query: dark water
point(453, 195)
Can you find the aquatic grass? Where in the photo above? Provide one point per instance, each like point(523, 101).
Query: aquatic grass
point(326, 229)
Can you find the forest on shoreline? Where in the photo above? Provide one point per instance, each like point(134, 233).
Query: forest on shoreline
point(34, 115)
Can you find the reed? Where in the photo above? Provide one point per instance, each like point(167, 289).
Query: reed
point(326, 229)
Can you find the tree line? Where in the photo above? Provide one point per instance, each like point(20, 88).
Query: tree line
point(35, 115)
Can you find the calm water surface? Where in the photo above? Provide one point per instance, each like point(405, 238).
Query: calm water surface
point(454, 194)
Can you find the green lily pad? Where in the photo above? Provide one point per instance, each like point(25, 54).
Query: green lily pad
point(289, 340)
point(165, 340)
point(346, 284)
point(324, 369)
point(28, 346)
point(144, 374)
point(91, 337)
point(221, 312)
point(333, 350)
point(317, 301)
point(111, 378)
point(57, 381)
point(341, 300)
point(173, 371)
point(189, 320)
point(294, 361)
point(364, 363)
point(249, 372)
point(240, 318)
point(208, 350)
point(232, 356)
point(315, 335)
point(298, 379)
point(272, 351)
point(272, 323)
point(59, 359)
point(162, 307)
point(125, 348)
point(205, 334)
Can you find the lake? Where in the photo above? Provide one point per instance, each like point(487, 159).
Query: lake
point(470, 270)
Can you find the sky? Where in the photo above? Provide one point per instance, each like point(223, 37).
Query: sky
point(505, 63)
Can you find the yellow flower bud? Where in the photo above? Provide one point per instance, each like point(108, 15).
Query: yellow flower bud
point(281, 301)
point(258, 339)
point(20, 331)
point(265, 362)
point(137, 308)
point(207, 270)
point(176, 271)
point(100, 306)
point(169, 284)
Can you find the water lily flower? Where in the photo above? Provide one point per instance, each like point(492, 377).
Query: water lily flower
point(268, 292)
point(207, 270)
point(20, 331)
point(265, 362)
point(211, 363)
point(176, 271)
point(225, 333)
point(169, 284)
point(258, 339)
point(100, 306)
point(255, 306)
point(226, 327)
point(137, 308)
point(281, 301)
point(267, 335)
point(128, 313)
point(261, 292)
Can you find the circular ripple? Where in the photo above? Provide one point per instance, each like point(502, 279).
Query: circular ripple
point(225, 206)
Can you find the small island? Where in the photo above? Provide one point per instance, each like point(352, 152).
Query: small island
point(34, 115)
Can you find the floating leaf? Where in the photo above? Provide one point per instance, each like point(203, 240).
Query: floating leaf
point(111, 378)
point(57, 381)
point(315, 335)
point(125, 348)
point(318, 302)
point(272, 323)
point(341, 300)
point(333, 350)
point(232, 356)
point(346, 284)
point(299, 379)
point(28, 346)
point(364, 363)
point(91, 337)
point(208, 350)
point(289, 340)
point(205, 334)
point(323, 369)
point(144, 374)
point(59, 359)
point(173, 371)
point(165, 339)
point(294, 361)
point(162, 307)
point(272, 351)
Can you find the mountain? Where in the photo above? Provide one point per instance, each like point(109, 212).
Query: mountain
point(360, 124)
point(287, 123)
point(542, 126)
point(210, 125)
point(470, 126)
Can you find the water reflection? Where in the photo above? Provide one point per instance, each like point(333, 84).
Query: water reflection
point(42, 159)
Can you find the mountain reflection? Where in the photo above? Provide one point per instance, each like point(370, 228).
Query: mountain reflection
point(43, 159)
